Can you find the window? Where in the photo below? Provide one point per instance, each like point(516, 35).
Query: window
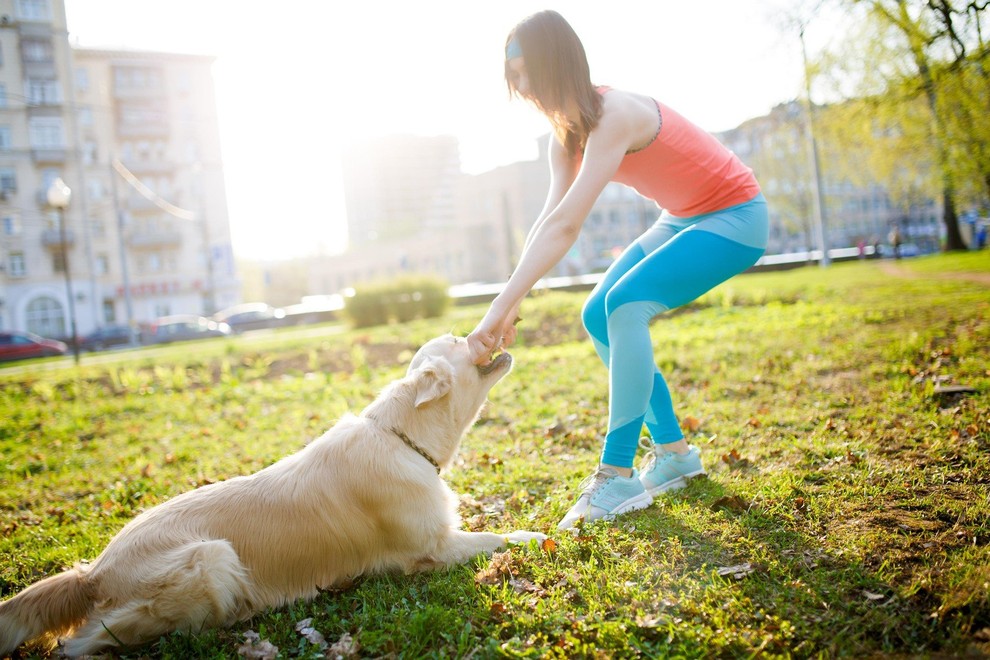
point(101, 265)
point(41, 91)
point(12, 225)
point(46, 133)
point(109, 311)
point(82, 80)
point(37, 50)
point(34, 10)
point(6, 141)
point(8, 180)
point(46, 317)
point(85, 116)
point(17, 265)
point(3, 95)
point(58, 261)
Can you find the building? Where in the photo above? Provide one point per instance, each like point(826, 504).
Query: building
point(135, 137)
point(855, 212)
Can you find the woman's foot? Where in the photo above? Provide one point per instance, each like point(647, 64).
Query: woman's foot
point(606, 494)
point(669, 470)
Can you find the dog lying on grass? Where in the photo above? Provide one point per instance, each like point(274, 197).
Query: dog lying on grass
point(366, 496)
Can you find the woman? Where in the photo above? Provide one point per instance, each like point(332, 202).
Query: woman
point(713, 226)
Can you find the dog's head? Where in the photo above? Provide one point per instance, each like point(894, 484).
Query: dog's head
point(443, 368)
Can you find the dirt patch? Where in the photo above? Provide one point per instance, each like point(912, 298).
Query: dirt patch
point(896, 270)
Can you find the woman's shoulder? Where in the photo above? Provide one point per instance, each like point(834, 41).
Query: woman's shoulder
point(632, 113)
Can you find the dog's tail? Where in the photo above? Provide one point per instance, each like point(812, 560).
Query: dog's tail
point(49, 608)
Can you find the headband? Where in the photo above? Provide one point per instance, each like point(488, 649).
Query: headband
point(513, 49)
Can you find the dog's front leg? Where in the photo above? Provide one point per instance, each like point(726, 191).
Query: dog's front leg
point(458, 546)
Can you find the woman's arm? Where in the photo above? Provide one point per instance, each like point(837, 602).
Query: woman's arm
point(554, 235)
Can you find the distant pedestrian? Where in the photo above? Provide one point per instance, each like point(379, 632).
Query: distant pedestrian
point(895, 241)
point(714, 225)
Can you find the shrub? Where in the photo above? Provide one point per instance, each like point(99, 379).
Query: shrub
point(399, 300)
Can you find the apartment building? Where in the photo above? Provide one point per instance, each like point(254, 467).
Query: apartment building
point(776, 146)
point(135, 137)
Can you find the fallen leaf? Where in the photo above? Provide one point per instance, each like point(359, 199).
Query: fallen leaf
point(548, 545)
point(690, 424)
point(314, 636)
point(739, 571)
point(345, 647)
point(256, 648)
point(755, 423)
point(498, 570)
point(730, 503)
point(872, 596)
point(734, 460)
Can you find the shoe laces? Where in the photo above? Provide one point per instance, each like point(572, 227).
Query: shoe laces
point(651, 453)
point(596, 480)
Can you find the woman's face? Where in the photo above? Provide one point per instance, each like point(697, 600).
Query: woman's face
point(518, 77)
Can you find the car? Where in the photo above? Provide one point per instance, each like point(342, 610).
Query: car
point(250, 316)
point(183, 327)
point(105, 337)
point(24, 345)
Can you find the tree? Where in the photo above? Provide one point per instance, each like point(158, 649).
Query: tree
point(917, 71)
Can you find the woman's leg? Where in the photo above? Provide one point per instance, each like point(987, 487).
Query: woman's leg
point(693, 262)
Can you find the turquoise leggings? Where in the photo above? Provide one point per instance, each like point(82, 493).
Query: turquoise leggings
point(671, 264)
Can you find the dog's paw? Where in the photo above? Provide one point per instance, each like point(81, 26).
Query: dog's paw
point(520, 536)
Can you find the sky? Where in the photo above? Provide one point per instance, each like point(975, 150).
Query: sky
point(296, 80)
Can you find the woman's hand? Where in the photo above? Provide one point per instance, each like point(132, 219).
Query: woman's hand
point(494, 332)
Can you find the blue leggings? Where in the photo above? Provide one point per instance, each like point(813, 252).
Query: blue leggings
point(671, 264)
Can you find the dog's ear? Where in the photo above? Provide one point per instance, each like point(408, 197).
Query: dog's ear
point(432, 381)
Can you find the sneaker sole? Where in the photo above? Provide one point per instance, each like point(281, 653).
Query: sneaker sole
point(674, 484)
point(632, 504)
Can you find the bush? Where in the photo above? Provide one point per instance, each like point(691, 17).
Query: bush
point(399, 300)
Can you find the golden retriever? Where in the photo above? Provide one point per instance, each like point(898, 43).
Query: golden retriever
point(366, 496)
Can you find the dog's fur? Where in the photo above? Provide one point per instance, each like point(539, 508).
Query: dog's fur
point(356, 500)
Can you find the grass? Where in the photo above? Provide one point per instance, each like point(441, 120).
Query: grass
point(845, 513)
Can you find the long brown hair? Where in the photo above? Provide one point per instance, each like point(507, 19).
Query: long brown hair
point(558, 72)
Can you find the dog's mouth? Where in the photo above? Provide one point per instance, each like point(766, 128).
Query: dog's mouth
point(503, 359)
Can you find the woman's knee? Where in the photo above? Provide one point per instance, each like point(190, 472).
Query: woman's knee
point(593, 314)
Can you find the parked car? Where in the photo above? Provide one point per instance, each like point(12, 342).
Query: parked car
point(105, 337)
point(251, 316)
point(24, 345)
point(182, 327)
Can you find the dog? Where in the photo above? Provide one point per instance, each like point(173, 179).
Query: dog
point(364, 497)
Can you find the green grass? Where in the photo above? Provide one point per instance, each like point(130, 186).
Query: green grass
point(855, 491)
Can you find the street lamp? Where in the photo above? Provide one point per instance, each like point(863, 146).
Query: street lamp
point(59, 195)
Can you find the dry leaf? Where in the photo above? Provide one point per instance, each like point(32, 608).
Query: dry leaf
point(690, 424)
point(872, 596)
point(739, 571)
point(310, 633)
point(734, 460)
point(731, 503)
point(498, 570)
point(255, 648)
point(345, 647)
point(548, 545)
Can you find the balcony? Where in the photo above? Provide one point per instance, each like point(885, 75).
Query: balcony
point(154, 238)
point(150, 166)
point(142, 129)
point(48, 155)
point(52, 238)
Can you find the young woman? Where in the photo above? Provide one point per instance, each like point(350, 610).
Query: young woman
point(713, 226)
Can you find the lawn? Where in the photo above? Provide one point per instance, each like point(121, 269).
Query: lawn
point(843, 415)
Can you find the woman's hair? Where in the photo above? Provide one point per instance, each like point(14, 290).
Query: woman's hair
point(558, 72)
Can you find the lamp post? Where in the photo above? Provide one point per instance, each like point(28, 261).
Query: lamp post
point(59, 195)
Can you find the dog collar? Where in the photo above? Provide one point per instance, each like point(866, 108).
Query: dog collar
point(412, 445)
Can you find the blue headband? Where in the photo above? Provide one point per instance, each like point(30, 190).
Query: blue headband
point(513, 49)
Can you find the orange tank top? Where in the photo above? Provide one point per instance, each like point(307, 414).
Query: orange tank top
point(686, 170)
